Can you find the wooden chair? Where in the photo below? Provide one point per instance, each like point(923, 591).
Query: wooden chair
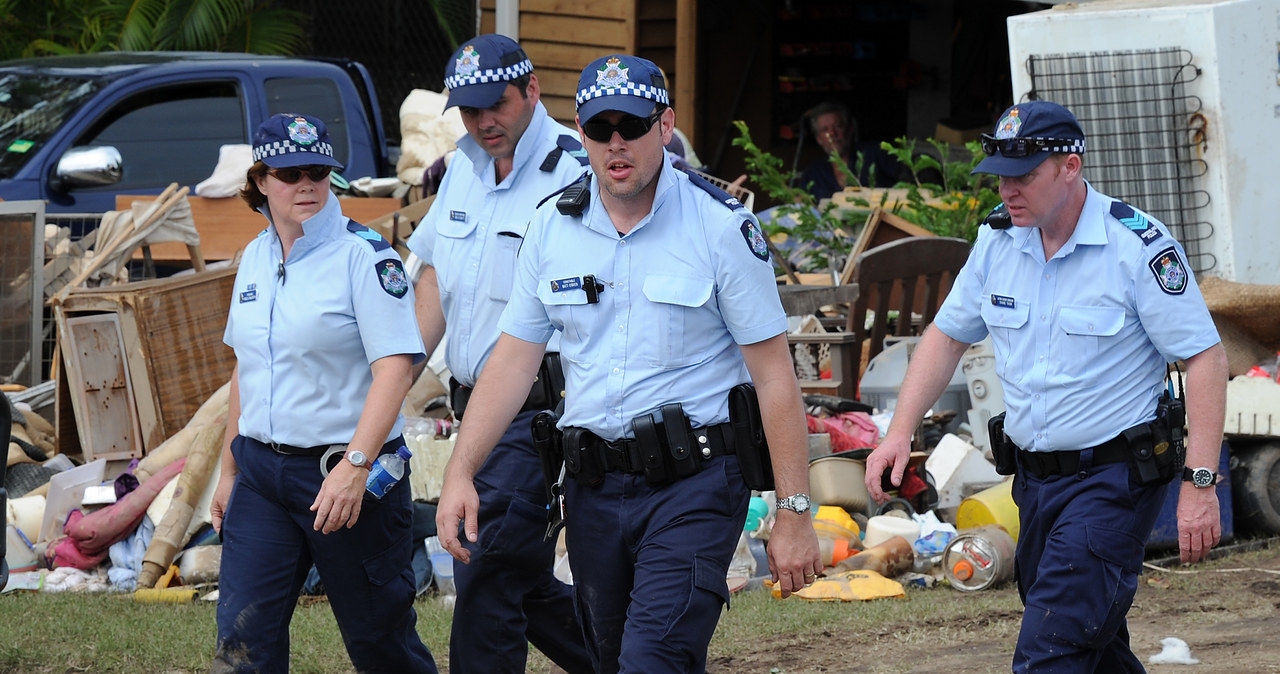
point(911, 276)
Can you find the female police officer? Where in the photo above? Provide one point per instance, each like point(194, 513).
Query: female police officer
point(323, 328)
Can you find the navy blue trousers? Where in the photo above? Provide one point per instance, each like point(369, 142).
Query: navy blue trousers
point(649, 565)
point(1080, 550)
point(269, 545)
point(508, 596)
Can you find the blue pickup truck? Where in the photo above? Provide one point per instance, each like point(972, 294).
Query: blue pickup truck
point(77, 130)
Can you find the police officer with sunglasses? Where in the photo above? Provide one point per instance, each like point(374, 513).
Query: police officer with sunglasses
point(323, 330)
point(1087, 300)
point(663, 293)
point(513, 155)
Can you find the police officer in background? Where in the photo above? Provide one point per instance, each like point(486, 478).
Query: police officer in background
point(322, 326)
point(513, 155)
point(1086, 300)
point(663, 293)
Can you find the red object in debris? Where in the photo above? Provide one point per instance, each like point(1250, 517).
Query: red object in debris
point(97, 531)
point(848, 430)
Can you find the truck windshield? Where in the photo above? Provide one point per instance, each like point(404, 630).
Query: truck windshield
point(32, 107)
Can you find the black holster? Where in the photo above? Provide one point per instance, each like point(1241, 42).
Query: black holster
point(583, 456)
point(665, 439)
point(547, 442)
point(1157, 448)
point(749, 440)
point(1003, 451)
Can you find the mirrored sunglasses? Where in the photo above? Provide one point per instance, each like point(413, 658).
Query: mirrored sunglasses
point(630, 128)
point(293, 174)
point(1016, 148)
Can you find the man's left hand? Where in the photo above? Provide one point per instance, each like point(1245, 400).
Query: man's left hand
point(794, 561)
point(1199, 522)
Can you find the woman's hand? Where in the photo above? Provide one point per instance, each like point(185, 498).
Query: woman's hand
point(338, 503)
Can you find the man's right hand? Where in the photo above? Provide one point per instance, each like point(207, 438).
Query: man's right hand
point(892, 454)
point(459, 502)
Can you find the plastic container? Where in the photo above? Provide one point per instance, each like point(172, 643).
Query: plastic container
point(441, 568)
point(839, 481)
point(979, 558)
point(835, 550)
point(883, 527)
point(757, 511)
point(993, 505)
point(386, 472)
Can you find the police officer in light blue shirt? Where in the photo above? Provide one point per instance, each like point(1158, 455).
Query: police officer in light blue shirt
point(663, 293)
point(1086, 300)
point(512, 157)
point(325, 340)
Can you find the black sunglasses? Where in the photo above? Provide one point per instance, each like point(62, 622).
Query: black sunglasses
point(1015, 148)
point(293, 174)
point(630, 128)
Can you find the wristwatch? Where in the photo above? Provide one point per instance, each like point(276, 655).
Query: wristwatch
point(796, 502)
point(1201, 478)
point(357, 458)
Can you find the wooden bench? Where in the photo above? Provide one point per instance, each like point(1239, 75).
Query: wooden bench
point(227, 225)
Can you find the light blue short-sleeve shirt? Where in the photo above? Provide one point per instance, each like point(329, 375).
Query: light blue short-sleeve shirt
point(1082, 340)
point(474, 230)
point(306, 332)
point(681, 291)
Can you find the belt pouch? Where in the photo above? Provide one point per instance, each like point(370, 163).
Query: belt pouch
point(649, 443)
point(1142, 454)
point(1004, 452)
point(458, 397)
point(679, 433)
point(582, 456)
point(749, 439)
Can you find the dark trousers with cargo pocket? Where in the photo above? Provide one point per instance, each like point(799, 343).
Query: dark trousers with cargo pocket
point(1081, 543)
point(269, 545)
point(508, 596)
point(650, 564)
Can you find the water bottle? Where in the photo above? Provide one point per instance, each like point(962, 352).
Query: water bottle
point(386, 472)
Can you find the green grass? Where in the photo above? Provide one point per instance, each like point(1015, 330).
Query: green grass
point(45, 633)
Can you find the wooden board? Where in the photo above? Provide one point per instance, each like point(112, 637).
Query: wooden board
point(99, 383)
point(227, 225)
point(881, 228)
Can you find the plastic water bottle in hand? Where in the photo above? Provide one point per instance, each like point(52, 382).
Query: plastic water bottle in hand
point(386, 472)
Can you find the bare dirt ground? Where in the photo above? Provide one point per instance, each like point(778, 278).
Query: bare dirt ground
point(1227, 610)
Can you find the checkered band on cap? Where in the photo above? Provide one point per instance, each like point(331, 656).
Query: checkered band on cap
point(1071, 147)
point(504, 74)
point(636, 89)
point(282, 147)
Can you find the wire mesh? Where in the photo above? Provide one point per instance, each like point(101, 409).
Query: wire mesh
point(403, 43)
point(21, 305)
point(1144, 131)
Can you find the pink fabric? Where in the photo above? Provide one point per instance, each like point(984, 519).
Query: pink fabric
point(848, 430)
point(96, 532)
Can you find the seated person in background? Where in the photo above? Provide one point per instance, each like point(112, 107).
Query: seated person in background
point(835, 130)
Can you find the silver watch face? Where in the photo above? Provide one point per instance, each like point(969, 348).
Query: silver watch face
point(1202, 477)
point(797, 502)
point(357, 458)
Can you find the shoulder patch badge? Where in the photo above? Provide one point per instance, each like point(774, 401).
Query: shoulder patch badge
point(392, 277)
point(755, 240)
point(1170, 272)
point(1135, 221)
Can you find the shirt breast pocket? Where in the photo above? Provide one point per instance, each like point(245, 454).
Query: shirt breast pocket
point(683, 326)
point(1084, 334)
point(561, 306)
point(449, 248)
point(502, 268)
point(1002, 323)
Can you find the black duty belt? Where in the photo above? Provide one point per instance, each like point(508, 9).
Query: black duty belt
point(291, 450)
point(1048, 464)
point(543, 395)
point(624, 455)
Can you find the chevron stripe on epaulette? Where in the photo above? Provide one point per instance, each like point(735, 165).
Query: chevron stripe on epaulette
point(1135, 221)
point(375, 239)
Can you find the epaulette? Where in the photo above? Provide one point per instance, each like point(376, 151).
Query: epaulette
point(375, 239)
point(562, 189)
point(720, 195)
point(564, 144)
point(1135, 221)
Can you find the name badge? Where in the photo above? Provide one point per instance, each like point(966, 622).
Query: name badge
point(1002, 301)
point(458, 216)
point(561, 285)
point(250, 293)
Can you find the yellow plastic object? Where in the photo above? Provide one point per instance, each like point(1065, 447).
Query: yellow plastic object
point(993, 505)
point(834, 523)
point(849, 586)
point(168, 595)
point(170, 577)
